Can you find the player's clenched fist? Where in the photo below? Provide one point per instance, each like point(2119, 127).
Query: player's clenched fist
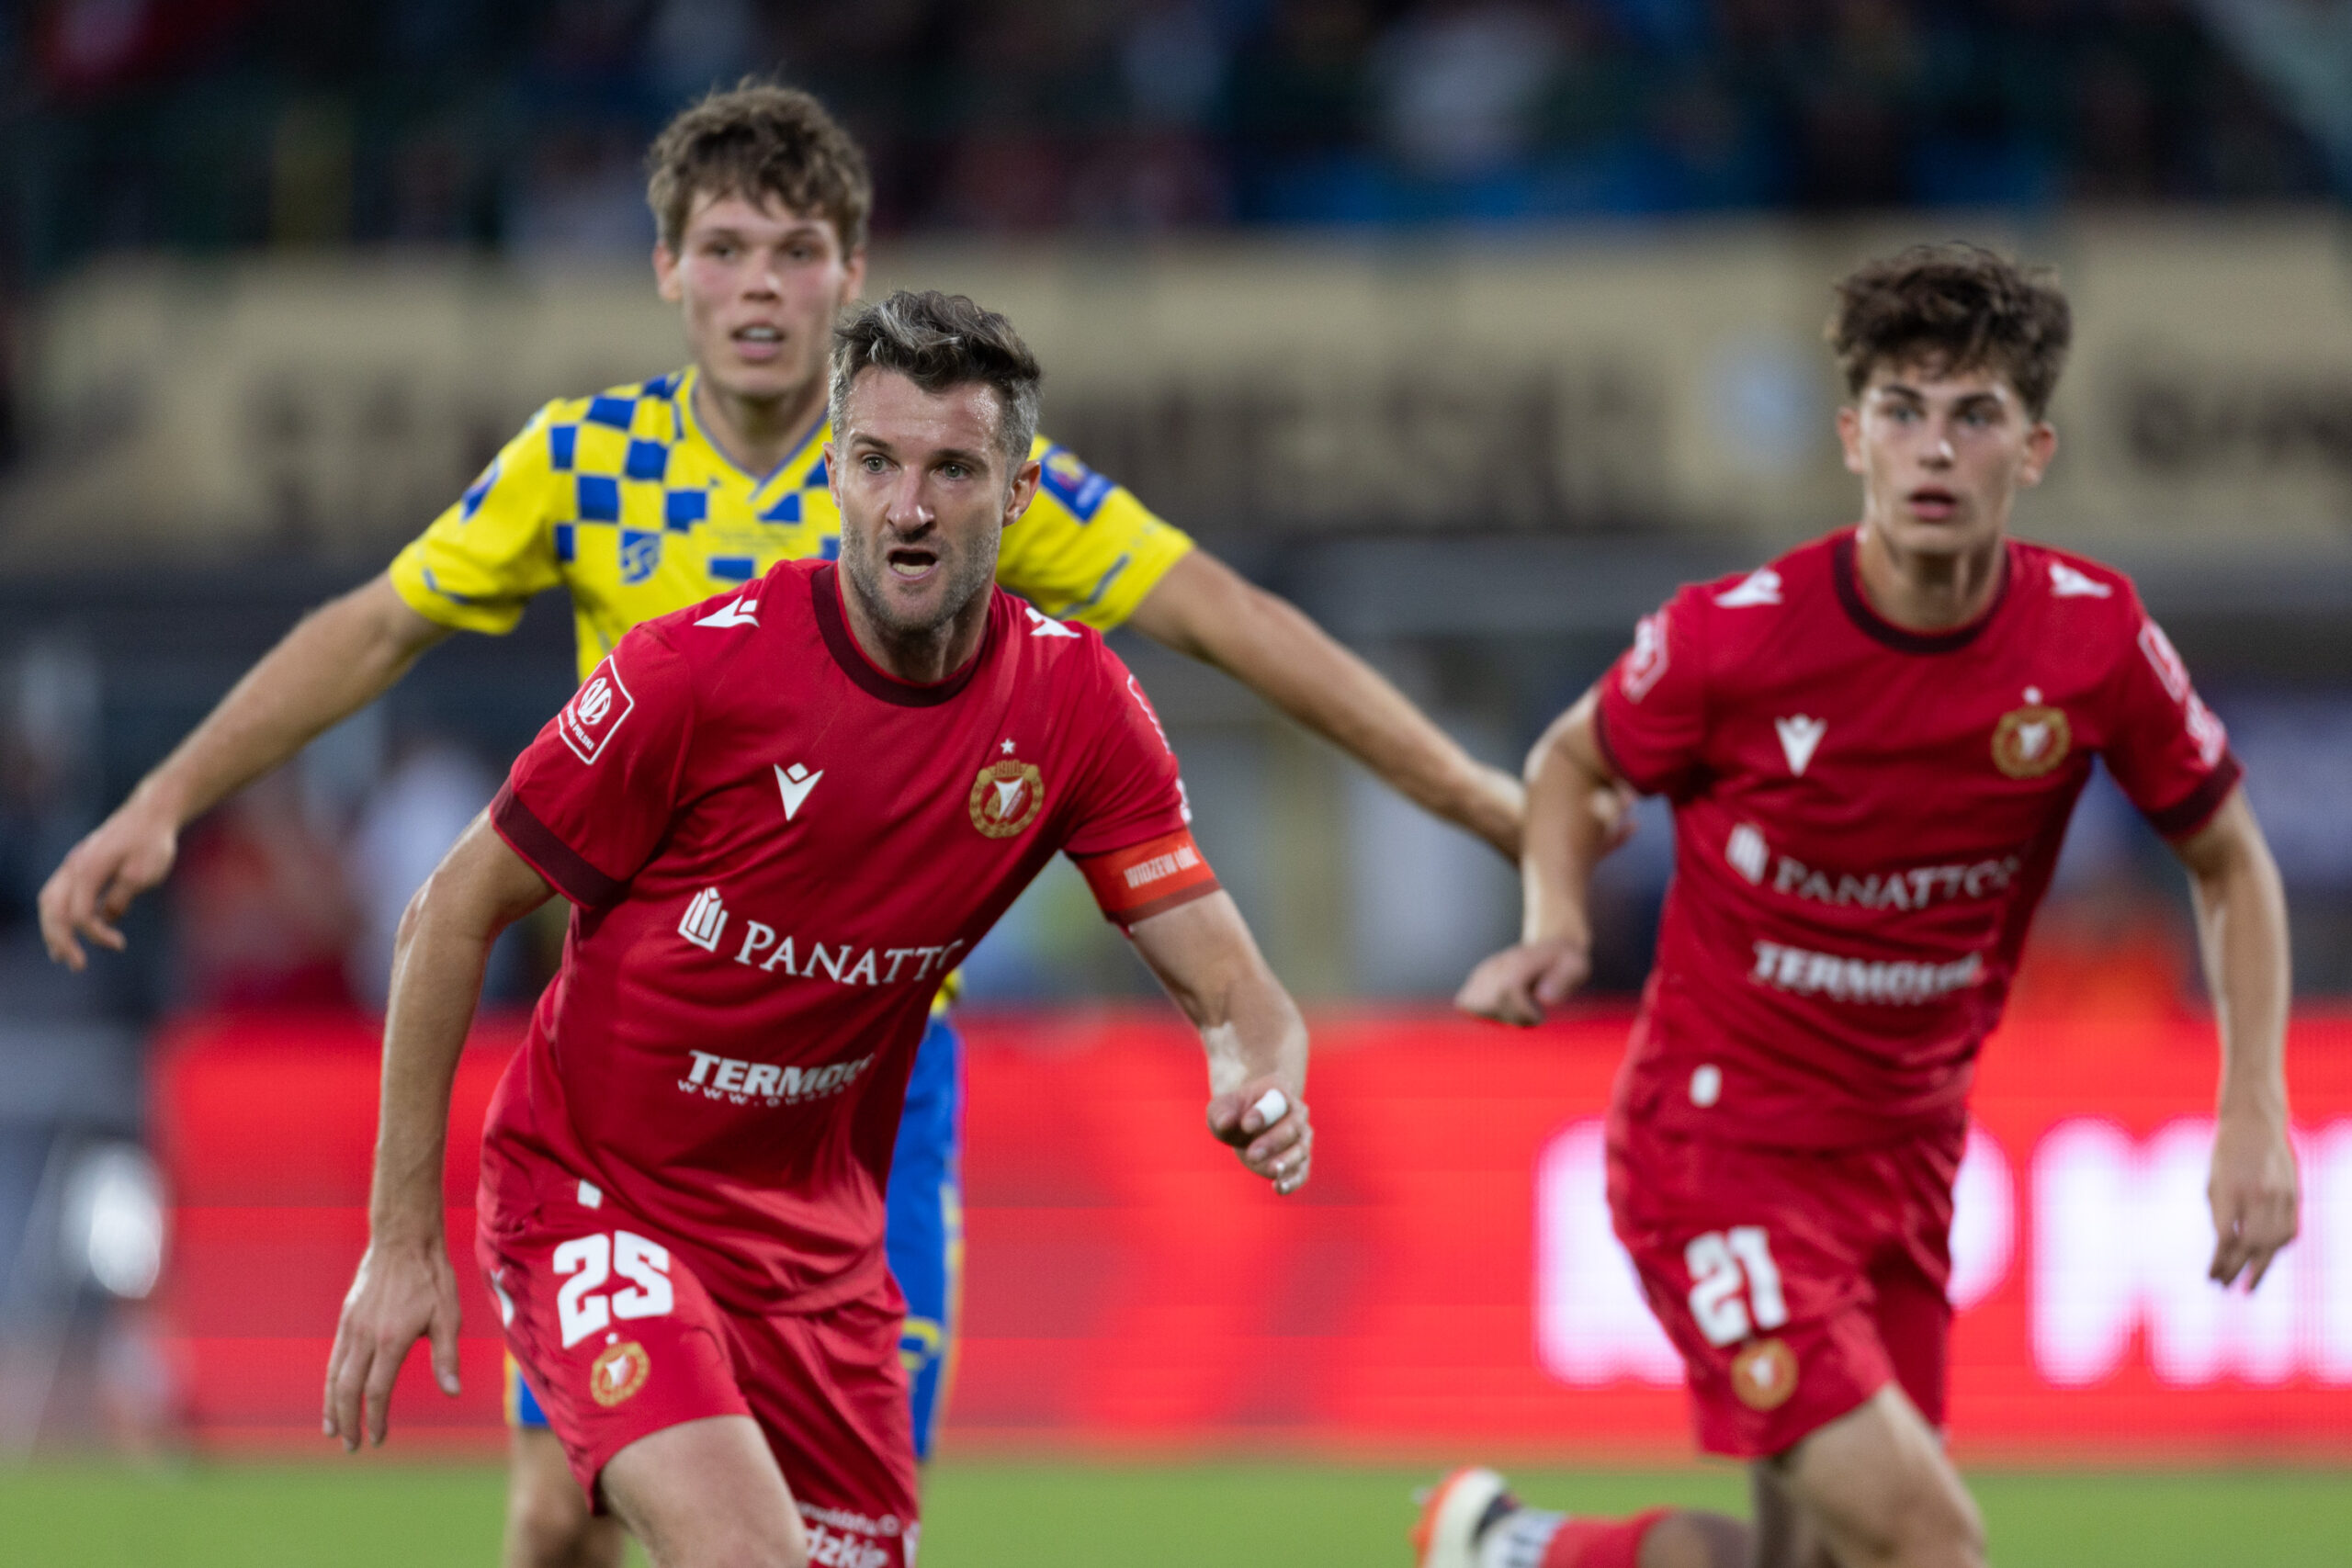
point(401, 1294)
point(1269, 1126)
point(1517, 984)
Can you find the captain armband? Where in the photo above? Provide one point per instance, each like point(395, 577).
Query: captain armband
point(1150, 878)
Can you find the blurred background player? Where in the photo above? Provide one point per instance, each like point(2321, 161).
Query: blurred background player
point(710, 1135)
point(649, 497)
point(1872, 746)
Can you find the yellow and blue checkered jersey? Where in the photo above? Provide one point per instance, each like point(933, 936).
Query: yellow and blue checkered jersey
point(624, 499)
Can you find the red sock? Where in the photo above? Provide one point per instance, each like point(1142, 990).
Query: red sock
point(1602, 1543)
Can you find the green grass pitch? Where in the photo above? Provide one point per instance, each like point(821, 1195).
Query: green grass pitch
point(367, 1514)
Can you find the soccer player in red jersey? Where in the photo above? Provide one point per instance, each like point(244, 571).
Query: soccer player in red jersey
point(783, 815)
point(1872, 746)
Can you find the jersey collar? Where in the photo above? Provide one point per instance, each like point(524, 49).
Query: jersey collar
point(691, 425)
point(832, 625)
point(1845, 572)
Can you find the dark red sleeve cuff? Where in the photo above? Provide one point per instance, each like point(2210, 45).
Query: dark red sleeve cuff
point(2187, 814)
point(561, 865)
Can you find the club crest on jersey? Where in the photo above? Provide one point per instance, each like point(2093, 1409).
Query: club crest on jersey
point(2031, 740)
point(640, 552)
point(619, 1372)
point(1764, 1374)
point(1006, 798)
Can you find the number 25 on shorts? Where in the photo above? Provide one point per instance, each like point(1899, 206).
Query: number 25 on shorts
point(591, 1261)
point(1735, 1284)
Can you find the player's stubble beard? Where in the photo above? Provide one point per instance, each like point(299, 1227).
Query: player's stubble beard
point(966, 570)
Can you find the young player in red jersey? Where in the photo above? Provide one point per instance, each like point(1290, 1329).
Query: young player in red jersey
point(783, 815)
point(1872, 746)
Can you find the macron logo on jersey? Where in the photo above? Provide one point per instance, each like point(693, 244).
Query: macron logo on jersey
point(2066, 582)
point(1799, 737)
point(595, 710)
point(734, 613)
point(1043, 625)
point(796, 782)
point(1761, 586)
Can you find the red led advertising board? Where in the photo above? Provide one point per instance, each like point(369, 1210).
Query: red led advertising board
point(1446, 1283)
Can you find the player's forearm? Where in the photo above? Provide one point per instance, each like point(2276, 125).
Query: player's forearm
point(1208, 613)
point(2242, 930)
point(1205, 956)
point(335, 662)
point(438, 959)
point(1565, 839)
point(1253, 1031)
point(438, 968)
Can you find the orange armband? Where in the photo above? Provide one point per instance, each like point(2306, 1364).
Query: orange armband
point(1149, 878)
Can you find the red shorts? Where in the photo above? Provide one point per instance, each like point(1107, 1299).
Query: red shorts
point(617, 1339)
point(1796, 1284)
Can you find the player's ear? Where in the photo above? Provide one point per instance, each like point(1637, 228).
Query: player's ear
point(852, 277)
point(665, 273)
point(1024, 491)
point(1849, 436)
point(2041, 445)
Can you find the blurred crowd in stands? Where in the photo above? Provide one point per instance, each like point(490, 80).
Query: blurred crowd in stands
point(518, 123)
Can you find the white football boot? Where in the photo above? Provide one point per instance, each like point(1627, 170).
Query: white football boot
point(1470, 1520)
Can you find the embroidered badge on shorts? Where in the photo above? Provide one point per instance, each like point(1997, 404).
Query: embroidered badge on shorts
point(1006, 798)
point(2031, 740)
point(1764, 1374)
point(620, 1371)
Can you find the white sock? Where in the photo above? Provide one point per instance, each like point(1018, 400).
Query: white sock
point(1519, 1538)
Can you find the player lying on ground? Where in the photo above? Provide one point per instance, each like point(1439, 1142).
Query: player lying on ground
point(782, 816)
point(649, 498)
point(1871, 747)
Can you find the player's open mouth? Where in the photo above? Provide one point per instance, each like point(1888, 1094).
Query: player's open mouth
point(911, 562)
point(1932, 503)
point(758, 342)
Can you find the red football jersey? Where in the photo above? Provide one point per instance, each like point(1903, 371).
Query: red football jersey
point(1865, 818)
point(778, 851)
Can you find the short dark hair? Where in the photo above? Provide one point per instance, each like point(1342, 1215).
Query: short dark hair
point(1958, 306)
point(939, 341)
point(759, 140)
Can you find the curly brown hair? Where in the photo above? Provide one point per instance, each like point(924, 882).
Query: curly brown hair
point(759, 140)
point(1959, 306)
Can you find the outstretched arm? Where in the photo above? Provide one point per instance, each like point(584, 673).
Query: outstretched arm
point(405, 1288)
point(1206, 610)
point(2241, 932)
point(1256, 1041)
point(339, 658)
point(1570, 793)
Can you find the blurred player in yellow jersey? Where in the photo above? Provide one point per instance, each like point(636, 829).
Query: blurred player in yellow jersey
point(650, 497)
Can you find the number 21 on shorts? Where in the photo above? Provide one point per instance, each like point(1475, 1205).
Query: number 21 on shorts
point(592, 1260)
point(1735, 1284)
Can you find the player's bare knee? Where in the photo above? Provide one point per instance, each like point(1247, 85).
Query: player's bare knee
point(548, 1531)
point(739, 1549)
point(1943, 1529)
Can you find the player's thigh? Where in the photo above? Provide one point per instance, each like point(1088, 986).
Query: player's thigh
point(925, 1234)
point(829, 1391)
point(1753, 1263)
point(1879, 1489)
point(706, 1495)
point(549, 1524)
